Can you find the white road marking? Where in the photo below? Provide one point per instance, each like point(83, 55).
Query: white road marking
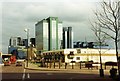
point(23, 77)
point(28, 75)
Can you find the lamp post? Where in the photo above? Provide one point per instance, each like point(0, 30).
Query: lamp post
point(101, 70)
point(100, 44)
point(27, 33)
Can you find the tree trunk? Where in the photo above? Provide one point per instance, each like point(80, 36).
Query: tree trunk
point(116, 45)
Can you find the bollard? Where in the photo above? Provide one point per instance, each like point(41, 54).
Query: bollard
point(47, 64)
point(101, 72)
point(80, 65)
point(65, 65)
point(50, 64)
point(54, 64)
point(72, 66)
point(59, 64)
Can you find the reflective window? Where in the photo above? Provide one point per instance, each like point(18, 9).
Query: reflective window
point(45, 36)
point(53, 34)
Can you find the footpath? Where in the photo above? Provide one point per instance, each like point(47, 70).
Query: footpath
point(87, 72)
point(32, 66)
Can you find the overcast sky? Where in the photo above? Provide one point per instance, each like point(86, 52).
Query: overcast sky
point(20, 14)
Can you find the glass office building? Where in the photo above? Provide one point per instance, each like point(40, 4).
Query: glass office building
point(67, 37)
point(15, 41)
point(41, 35)
point(48, 34)
point(60, 27)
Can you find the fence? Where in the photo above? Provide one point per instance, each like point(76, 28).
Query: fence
point(72, 65)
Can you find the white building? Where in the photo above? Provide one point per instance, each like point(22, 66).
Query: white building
point(84, 54)
point(15, 41)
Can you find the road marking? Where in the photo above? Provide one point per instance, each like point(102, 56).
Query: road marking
point(28, 75)
point(23, 77)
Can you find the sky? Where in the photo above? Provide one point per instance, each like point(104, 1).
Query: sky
point(16, 15)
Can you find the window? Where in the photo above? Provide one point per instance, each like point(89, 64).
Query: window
point(78, 51)
point(77, 58)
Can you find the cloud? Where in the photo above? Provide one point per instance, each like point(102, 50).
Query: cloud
point(0, 28)
point(51, 0)
point(16, 16)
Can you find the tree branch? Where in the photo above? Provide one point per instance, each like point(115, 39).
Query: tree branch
point(108, 35)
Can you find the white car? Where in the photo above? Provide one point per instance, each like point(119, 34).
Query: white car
point(19, 63)
point(2, 64)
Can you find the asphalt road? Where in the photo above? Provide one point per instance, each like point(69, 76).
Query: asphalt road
point(14, 73)
point(52, 76)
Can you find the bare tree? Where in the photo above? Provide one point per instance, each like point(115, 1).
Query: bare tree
point(100, 39)
point(107, 18)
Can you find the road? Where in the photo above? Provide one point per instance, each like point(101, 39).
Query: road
point(21, 74)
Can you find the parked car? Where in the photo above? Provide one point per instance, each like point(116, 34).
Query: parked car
point(7, 63)
point(2, 64)
point(18, 63)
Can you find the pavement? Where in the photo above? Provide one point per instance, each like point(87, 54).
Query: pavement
point(89, 73)
point(45, 73)
point(33, 66)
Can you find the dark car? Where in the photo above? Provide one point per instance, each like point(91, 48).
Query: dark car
point(18, 63)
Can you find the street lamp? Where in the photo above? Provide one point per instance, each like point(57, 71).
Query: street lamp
point(101, 70)
point(27, 33)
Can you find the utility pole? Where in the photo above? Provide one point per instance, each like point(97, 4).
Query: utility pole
point(27, 32)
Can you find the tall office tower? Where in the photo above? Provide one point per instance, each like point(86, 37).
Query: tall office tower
point(60, 27)
point(15, 41)
point(69, 38)
point(52, 33)
point(64, 37)
point(48, 34)
point(41, 35)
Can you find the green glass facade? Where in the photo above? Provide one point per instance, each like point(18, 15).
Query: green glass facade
point(48, 34)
